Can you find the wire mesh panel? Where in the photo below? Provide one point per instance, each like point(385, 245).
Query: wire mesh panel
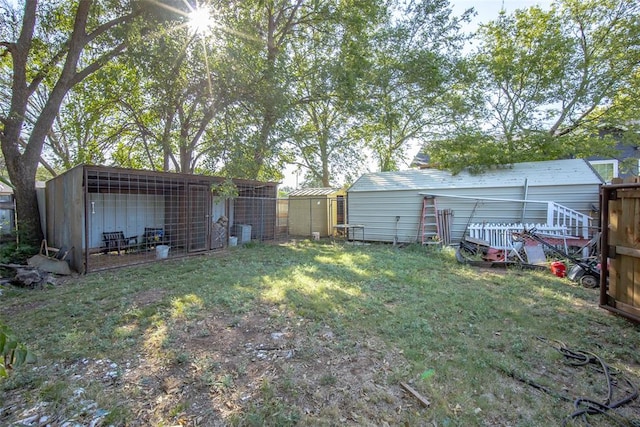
point(198, 217)
point(282, 219)
point(132, 217)
point(253, 213)
point(140, 216)
point(254, 218)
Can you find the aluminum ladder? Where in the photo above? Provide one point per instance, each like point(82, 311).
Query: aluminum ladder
point(429, 226)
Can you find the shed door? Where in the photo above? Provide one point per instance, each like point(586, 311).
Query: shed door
point(198, 217)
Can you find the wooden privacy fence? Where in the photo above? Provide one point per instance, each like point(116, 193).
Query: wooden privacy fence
point(620, 278)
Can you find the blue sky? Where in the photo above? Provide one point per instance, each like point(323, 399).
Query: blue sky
point(488, 10)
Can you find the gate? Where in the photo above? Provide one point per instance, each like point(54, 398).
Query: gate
point(620, 247)
point(198, 215)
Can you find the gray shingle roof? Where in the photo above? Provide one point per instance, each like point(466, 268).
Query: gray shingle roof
point(554, 172)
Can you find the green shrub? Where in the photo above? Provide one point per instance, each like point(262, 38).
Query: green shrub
point(13, 352)
point(13, 253)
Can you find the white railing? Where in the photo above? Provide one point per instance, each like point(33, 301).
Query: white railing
point(499, 236)
point(577, 223)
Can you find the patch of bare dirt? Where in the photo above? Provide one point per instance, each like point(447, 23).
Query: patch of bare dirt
point(149, 296)
point(219, 370)
point(11, 308)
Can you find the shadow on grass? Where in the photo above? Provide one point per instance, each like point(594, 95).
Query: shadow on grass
point(193, 318)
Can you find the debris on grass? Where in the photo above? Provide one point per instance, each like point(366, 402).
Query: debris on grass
point(415, 394)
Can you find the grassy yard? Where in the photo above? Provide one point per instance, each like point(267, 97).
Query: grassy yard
point(312, 333)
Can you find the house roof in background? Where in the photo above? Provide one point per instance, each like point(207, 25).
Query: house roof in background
point(421, 160)
point(306, 192)
point(549, 173)
point(5, 189)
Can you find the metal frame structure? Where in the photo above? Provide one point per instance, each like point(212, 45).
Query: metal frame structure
point(181, 212)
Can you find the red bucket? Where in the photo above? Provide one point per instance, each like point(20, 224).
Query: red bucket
point(559, 269)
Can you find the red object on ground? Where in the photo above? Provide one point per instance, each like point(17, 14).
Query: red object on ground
point(559, 269)
point(494, 255)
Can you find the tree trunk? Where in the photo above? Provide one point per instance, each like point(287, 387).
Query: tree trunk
point(271, 108)
point(22, 166)
point(24, 182)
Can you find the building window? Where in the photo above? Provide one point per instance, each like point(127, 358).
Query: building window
point(607, 169)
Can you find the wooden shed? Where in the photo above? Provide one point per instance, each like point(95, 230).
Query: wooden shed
point(315, 210)
point(110, 217)
point(620, 248)
point(390, 205)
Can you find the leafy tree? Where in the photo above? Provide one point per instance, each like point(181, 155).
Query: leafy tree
point(550, 79)
point(87, 126)
point(258, 33)
point(328, 61)
point(414, 67)
point(250, 138)
point(181, 86)
point(54, 45)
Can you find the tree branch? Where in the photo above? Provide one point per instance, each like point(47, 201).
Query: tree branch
point(97, 64)
point(43, 162)
point(37, 79)
point(101, 29)
point(9, 47)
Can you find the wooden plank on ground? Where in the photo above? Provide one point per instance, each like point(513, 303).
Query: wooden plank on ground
point(415, 394)
point(477, 241)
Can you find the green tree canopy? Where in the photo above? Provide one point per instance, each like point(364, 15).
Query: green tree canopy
point(47, 49)
point(547, 81)
point(415, 64)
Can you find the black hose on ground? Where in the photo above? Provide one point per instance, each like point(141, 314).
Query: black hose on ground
point(583, 406)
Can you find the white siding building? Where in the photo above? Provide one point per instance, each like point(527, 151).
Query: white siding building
point(389, 204)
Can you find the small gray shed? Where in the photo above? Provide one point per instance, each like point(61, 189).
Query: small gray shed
point(390, 204)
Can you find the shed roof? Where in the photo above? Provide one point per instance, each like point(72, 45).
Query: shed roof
point(6, 189)
point(108, 173)
point(307, 192)
point(549, 173)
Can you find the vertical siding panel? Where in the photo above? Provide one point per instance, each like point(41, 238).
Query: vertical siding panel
point(376, 199)
point(377, 212)
point(71, 219)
